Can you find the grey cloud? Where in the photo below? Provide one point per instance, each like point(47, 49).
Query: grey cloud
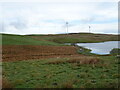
point(18, 25)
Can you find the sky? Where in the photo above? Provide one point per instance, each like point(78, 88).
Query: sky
point(51, 17)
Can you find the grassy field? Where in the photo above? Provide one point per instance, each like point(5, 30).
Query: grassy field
point(23, 40)
point(82, 70)
point(102, 72)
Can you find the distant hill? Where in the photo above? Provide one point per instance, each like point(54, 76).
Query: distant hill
point(56, 39)
point(77, 37)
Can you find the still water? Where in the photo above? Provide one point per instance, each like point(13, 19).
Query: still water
point(100, 48)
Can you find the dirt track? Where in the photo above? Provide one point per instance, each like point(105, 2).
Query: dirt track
point(27, 52)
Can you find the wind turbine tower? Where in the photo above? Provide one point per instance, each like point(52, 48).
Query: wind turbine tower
point(67, 27)
point(89, 29)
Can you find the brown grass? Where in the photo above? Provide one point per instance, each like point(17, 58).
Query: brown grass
point(56, 62)
point(6, 84)
point(68, 84)
point(27, 52)
point(84, 60)
point(78, 60)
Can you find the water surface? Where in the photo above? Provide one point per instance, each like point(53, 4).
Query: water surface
point(100, 48)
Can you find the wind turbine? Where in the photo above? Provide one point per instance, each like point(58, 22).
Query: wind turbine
point(89, 28)
point(67, 27)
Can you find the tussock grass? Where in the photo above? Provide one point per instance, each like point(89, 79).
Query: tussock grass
point(77, 60)
point(85, 60)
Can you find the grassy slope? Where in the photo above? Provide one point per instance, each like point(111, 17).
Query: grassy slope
point(77, 38)
point(55, 39)
point(23, 40)
point(40, 74)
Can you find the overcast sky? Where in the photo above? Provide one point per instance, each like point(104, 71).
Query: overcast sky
point(50, 17)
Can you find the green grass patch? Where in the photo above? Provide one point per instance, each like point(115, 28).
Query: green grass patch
point(23, 40)
point(42, 74)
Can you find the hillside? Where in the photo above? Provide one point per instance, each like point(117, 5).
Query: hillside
point(56, 39)
point(8, 39)
point(77, 37)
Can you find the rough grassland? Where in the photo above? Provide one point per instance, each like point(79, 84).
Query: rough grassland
point(39, 61)
point(51, 73)
point(55, 39)
point(77, 38)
